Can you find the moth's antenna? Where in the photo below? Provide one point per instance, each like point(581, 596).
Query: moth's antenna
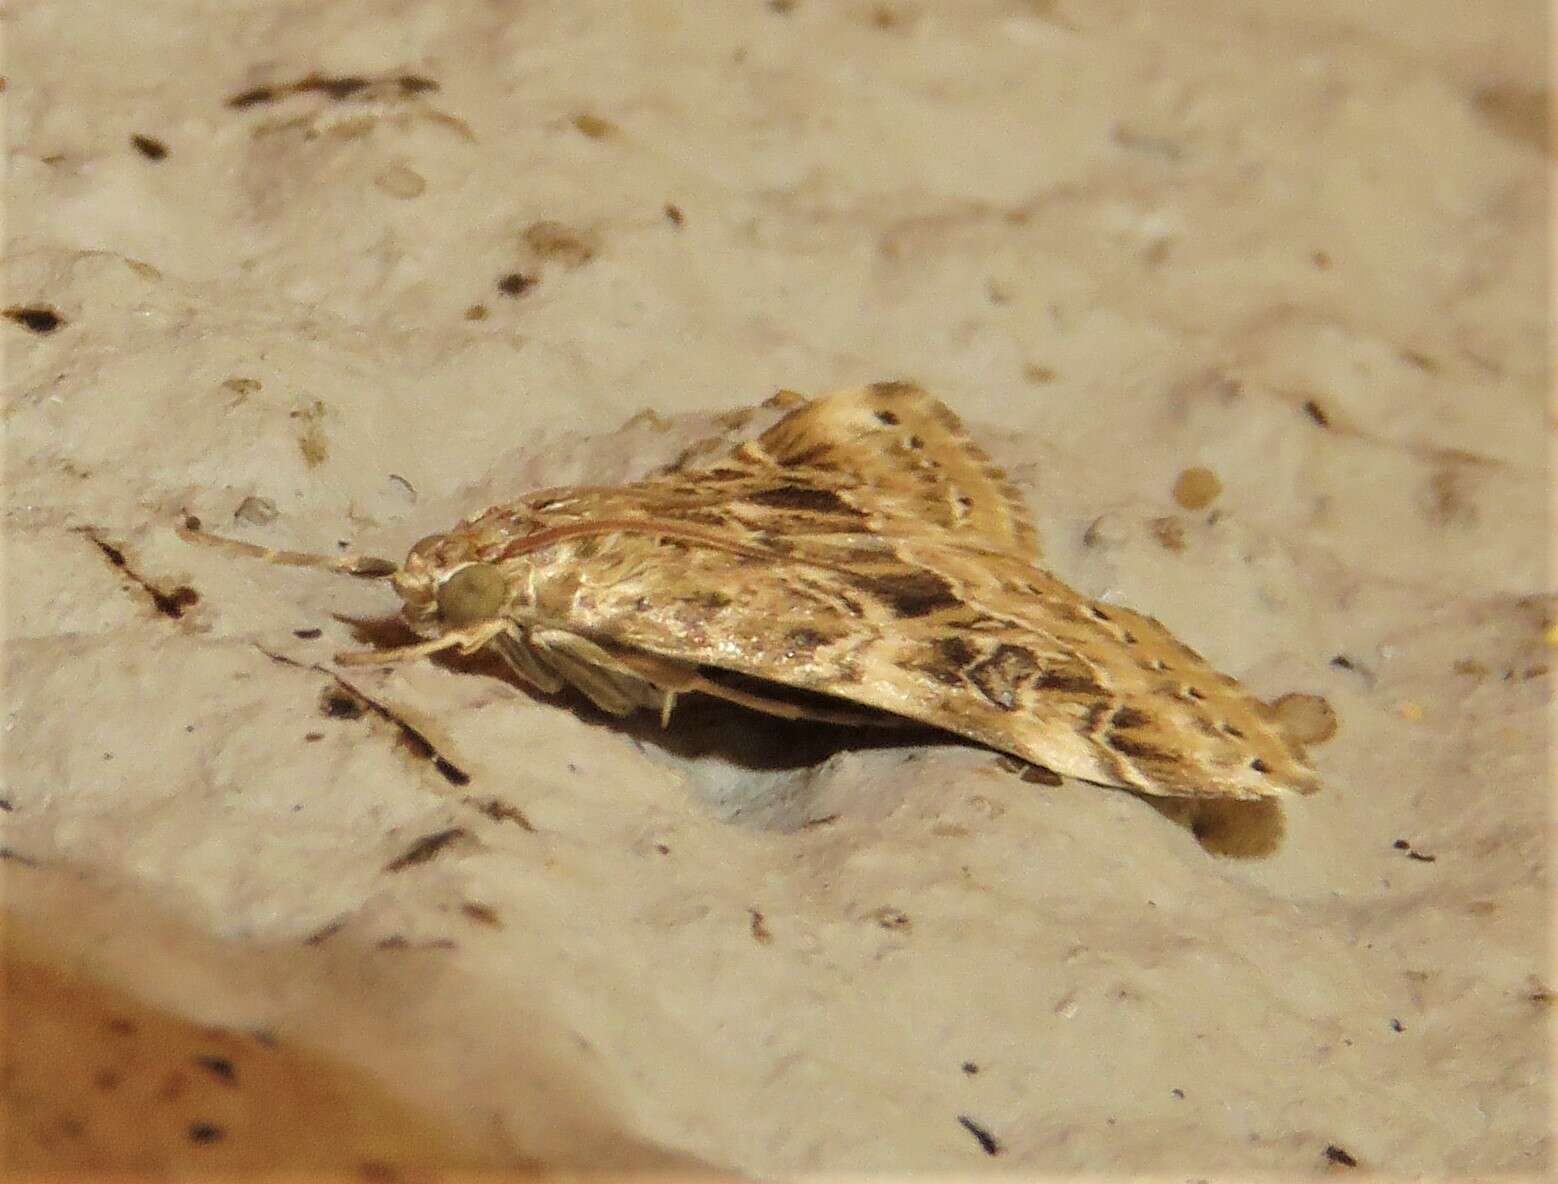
point(365, 567)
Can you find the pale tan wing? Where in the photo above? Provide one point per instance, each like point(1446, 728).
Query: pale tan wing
point(979, 643)
point(886, 460)
point(895, 439)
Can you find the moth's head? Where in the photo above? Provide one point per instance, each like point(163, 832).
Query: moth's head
point(444, 586)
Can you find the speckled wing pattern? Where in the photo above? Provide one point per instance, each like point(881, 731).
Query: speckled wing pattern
point(864, 549)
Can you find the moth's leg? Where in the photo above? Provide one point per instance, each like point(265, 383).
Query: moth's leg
point(603, 677)
point(511, 646)
point(467, 640)
point(365, 566)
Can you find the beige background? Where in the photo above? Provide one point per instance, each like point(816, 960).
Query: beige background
point(1301, 244)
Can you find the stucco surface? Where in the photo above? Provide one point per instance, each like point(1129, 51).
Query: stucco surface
point(371, 267)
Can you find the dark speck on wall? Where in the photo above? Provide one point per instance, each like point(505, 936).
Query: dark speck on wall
point(35, 317)
point(149, 146)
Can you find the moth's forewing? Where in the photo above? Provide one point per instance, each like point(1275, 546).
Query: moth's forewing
point(801, 560)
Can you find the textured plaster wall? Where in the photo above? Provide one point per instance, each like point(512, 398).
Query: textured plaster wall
point(318, 273)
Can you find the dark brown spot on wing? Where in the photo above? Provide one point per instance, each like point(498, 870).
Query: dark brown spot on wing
point(956, 652)
point(1001, 676)
point(911, 594)
point(805, 497)
point(1138, 750)
point(1069, 682)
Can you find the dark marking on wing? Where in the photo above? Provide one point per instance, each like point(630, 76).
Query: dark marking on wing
point(1069, 682)
point(805, 497)
point(1001, 676)
point(911, 594)
point(1129, 717)
point(1148, 754)
point(956, 652)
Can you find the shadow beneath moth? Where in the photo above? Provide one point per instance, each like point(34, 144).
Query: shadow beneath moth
point(861, 562)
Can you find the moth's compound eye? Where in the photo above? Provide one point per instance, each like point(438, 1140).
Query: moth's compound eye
point(474, 593)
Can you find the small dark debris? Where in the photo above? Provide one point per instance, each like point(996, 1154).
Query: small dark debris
point(191, 522)
point(173, 604)
point(1397, 1026)
point(987, 1142)
point(205, 1132)
point(890, 918)
point(674, 214)
point(449, 771)
point(1402, 845)
point(594, 126)
point(502, 812)
point(149, 146)
point(5, 806)
point(313, 737)
point(1321, 260)
point(425, 848)
point(338, 704)
point(324, 933)
point(1340, 1155)
point(1316, 413)
point(219, 1067)
point(970, 1068)
point(1177, 1092)
point(307, 634)
point(1421, 857)
point(476, 312)
point(1343, 662)
point(36, 317)
point(556, 242)
point(251, 97)
point(482, 914)
point(662, 848)
point(516, 284)
point(337, 88)
point(760, 931)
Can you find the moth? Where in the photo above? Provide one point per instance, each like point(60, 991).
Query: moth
point(860, 562)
